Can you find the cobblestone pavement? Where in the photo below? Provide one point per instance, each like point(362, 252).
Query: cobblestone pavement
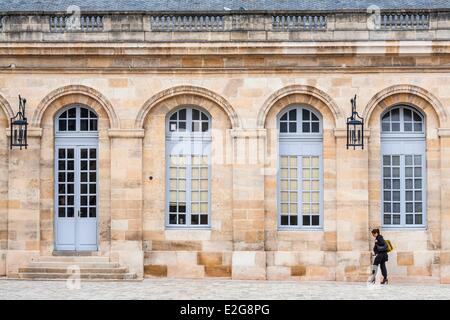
point(217, 289)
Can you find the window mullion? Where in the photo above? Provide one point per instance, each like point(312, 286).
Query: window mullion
point(189, 126)
point(77, 119)
point(402, 120)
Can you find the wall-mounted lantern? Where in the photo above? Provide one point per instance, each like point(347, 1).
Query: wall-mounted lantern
point(19, 126)
point(355, 128)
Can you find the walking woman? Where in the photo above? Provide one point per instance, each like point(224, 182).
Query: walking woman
point(380, 250)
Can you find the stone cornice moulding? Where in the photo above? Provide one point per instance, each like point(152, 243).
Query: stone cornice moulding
point(126, 133)
point(248, 133)
point(228, 47)
point(32, 132)
point(443, 132)
point(342, 133)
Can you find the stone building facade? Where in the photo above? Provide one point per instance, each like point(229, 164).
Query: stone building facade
point(136, 67)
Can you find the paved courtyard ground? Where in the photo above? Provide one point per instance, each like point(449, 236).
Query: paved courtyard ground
point(216, 289)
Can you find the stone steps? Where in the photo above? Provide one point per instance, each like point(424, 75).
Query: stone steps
point(90, 259)
point(64, 276)
point(64, 270)
point(63, 267)
point(82, 265)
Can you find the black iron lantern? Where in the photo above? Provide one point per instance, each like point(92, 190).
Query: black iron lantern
point(355, 128)
point(19, 125)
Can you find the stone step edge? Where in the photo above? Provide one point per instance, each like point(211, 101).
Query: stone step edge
point(82, 280)
point(81, 264)
point(66, 275)
point(72, 259)
point(117, 270)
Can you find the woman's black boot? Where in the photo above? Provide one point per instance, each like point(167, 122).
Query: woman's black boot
point(385, 281)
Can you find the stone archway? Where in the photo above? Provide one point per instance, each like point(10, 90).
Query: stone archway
point(191, 91)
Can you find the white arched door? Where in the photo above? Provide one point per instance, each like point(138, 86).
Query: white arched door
point(76, 176)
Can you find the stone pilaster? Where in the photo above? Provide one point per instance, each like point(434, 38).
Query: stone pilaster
point(445, 205)
point(126, 198)
point(352, 200)
point(4, 152)
point(249, 257)
point(23, 203)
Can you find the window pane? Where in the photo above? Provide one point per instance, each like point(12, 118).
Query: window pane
point(408, 160)
point(417, 160)
point(396, 183)
point(409, 219)
point(407, 115)
point(417, 117)
point(396, 219)
point(84, 113)
point(292, 127)
point(293, 220)
point(306, 114)
point(417, 171)
point(418, 127)
point(62, 125)
point(306, 127)
point(395, 126)
point(71, 125)
point(195, 114)
point(71, 113)
point(395, 114)
point(395, 160)
point(93, 125)
point(182, 114)
point(293, 115)
point(418, 218)
point(315, 220)
point(408, 126)
point(315, 127)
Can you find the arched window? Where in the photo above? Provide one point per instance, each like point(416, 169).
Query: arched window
point(188, 140)
point(77, 119)
point(403, 167)
point(76, 176)
point(300, 189)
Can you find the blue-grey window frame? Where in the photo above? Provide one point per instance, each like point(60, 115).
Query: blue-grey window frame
point(298, 138)
point(402, 138)
point(191, 138)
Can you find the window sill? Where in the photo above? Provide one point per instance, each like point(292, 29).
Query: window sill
point(172, 228)
point(318, 229)
point(419, 228)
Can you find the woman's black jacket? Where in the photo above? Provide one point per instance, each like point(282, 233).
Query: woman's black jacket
point(380, 248)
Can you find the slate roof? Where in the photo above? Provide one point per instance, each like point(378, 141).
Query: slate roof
point(214, 5)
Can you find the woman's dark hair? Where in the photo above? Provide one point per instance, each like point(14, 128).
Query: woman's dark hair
point(377, 231)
